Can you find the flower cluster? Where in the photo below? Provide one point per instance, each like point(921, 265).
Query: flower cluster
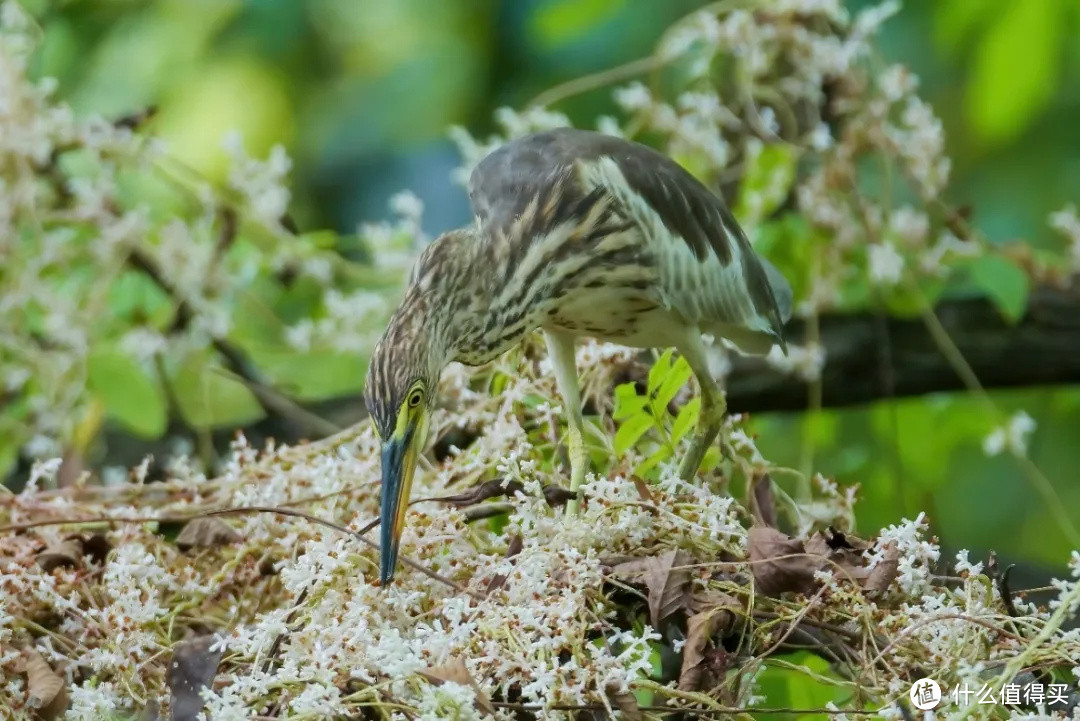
point(532, 608)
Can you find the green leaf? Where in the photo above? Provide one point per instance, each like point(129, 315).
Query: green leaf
point(711, 460)
point(533, 400)
point(1004, 282)
point(687, 419)
point(956, 21)
point(1016, 67)
point(676, 378)
point(627, 401)
point(659, 371)
point(791, 245)
point(905, 301)
point(315, 375)
point(135, 298)
point(209, 398)
point(769, 175)
point(562, 22)
point(659, 456)
point(9, 452)
point(131, 396)
point(631, 431)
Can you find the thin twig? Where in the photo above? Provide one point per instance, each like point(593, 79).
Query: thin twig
point(584, 84)
point(358, 535)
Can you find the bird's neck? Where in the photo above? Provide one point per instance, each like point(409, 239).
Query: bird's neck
point(448, 302)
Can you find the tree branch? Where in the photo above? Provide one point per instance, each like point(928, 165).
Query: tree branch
point(870, 357)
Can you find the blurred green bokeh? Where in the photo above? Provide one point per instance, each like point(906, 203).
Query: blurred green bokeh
point(361, 94)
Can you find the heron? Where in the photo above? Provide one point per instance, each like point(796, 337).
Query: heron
point(577, 234)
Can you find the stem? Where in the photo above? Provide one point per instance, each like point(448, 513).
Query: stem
point(1034, 475)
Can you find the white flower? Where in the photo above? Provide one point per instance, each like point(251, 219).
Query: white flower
point(1012, 437)
point(909, 225)
point(820, 138)
point(803, 361)
point(964, 566)
point(633, 97)
point(609, 126)
point(886, 265)
point(1067, 222)
point(407, 204)
point(261, 183)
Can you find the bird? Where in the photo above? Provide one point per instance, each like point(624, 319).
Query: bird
point(576, 233)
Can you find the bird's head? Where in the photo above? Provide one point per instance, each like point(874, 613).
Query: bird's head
point(399, 393)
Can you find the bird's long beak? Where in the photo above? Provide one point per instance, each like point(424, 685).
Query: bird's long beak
point(398, 465)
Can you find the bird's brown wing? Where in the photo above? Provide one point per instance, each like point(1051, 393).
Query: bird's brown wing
point(541, 168)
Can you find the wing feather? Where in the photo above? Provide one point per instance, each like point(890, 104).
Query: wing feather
point(542, 168)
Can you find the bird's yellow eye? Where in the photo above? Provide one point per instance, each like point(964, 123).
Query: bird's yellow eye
point(415, 397)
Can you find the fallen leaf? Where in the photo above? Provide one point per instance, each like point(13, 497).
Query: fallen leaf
point(557, 495)
point(701, 627)
point(631, 570)
point(206, 532)
point(515, 545)
point(96, 546)
point(71, 470)
point(643, 490)
point(192, 668)
point(838, 550)
point(47, 690)
point(482, 492)
point(837, 540)
point(884, 573)
point(66, 553)
point(455, 671)
point(763, 505)
point(486, 510)
point(780, 563)
point(627, 704)
point(1001, 578)
point(845, 557)
point(669, 585)
point(496, 582)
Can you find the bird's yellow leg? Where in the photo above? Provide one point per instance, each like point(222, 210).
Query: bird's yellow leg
point(561, 352)
point(713, 406)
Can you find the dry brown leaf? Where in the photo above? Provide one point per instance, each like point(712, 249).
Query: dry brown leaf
point(845, 557)
point(762, 503)
point(455, 671)
point(515, 545)
point(66, 553)
point(205, 532)
point(192, 668)
point(884, 573)
point(643, 490)
point(71, 470)
point(486, 510)
point(557, 495)
point(47, 690)
point(631, 570)
point(151, 711)
point(780, 563)
point(669, 585)
point(96, 546)
point(627, 704)
point(700, 628)
point(482, 492)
